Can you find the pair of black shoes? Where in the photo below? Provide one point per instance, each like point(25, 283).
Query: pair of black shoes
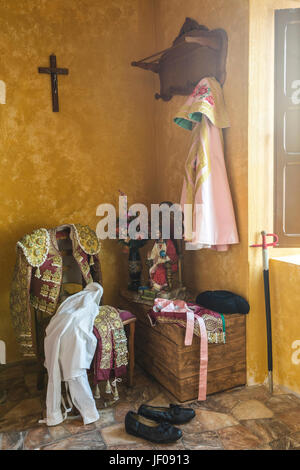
point(156, 423)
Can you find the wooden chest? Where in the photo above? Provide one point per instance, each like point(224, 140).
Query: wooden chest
point(160, 350)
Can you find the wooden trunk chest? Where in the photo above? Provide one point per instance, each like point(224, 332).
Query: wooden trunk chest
point(160, 351)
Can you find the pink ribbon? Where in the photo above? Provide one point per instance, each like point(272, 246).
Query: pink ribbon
point(203, 349)
point(179, 306)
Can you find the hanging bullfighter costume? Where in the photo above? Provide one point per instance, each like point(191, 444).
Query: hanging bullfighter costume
point(205, 186)
point(38, 279)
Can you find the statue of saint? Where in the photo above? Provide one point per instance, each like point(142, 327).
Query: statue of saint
point(163, 262)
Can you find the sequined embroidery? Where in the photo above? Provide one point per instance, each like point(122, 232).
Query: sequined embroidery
point(45, 290)
point(113, 337)
point(54, 292)
point(52, 277)
point(33, 251)
point(19, 305)
point(35, 247)
point(87, 239)
point(57, 261)
point(43, 305)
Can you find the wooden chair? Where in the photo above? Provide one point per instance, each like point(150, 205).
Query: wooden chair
point(71, 285)
point(69, 288)
point(129, 319)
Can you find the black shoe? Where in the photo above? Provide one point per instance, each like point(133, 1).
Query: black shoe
point(173, 415)
point(162, 433)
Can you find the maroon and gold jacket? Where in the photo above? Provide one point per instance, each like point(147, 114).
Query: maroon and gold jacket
point(38, 271)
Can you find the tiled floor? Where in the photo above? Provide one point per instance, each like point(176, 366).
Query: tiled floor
point(243, 418)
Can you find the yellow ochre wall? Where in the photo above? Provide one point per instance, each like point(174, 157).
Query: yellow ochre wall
point(260, 192)
point(206, 269)
point(285, 300)
point(58, 167)
point(112, 134)
point(249, 97)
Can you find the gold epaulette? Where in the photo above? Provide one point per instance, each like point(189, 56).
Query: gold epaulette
point(87, 239)
point(35, 246)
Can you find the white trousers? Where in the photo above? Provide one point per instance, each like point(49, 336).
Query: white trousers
point(82, 398)
point(69, 349)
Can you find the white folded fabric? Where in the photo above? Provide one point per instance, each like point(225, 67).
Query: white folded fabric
point(69, 350)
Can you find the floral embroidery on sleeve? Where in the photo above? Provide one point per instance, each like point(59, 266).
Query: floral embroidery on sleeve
point(203, 92)
point(210, 100)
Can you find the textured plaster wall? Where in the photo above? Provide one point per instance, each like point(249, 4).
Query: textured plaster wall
point(57, 167)
point(285, 299)
point(260, 164)
point(249, 96)
point(206, 269)
point(110, 133)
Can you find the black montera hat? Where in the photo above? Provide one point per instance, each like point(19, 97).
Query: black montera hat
point(223, 301)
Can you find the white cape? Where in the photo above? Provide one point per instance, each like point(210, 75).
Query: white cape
point(69, 350)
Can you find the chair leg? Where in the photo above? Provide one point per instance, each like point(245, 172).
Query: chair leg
point(41, 372)
point(131, 352)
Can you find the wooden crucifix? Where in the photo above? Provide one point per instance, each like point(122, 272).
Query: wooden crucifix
point(54, 71)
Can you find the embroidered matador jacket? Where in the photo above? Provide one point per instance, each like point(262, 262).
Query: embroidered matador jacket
point(38, 276)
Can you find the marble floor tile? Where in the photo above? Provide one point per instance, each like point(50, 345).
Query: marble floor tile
point(147, 394)
point(36, 437)
point(121, 410)
point(266, 430)
point(116, 435)
point(141, 378)
point(12, 440)
point(283, 403)
point(238, 437)
point(178, 445)
point(265, 447)
point(242, 418)
point(223, 402)
point(291, 419)
point(202, 441)
point(17, 392)
point(58, 432)
point(203, 405)
point(76, 426)
point(208, 421)
point(107, 418)
point(131, 447)
point(160, 400)
point(6, 407)
point(21, 424)
point(88, 441)
point(256, 392)
point(23, 408)
point(284, 443)
point(295, 440)
point(251, 409)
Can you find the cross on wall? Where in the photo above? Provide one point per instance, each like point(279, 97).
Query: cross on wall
point(53, 71)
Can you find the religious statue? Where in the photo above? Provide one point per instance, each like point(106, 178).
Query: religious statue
point(162, 262)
